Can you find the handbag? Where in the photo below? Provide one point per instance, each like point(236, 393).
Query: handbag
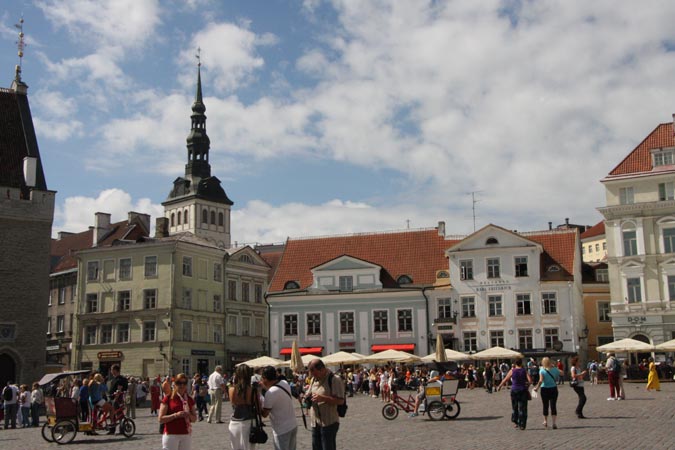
point(257, 435)
point(574, 383)
point(529, 395)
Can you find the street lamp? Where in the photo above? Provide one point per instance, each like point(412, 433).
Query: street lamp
point(584, 333)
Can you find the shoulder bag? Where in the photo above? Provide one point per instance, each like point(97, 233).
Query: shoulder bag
point(257, 435)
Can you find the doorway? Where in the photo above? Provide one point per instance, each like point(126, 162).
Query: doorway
point(641, 356)
point(203, 367)
point(7, 370)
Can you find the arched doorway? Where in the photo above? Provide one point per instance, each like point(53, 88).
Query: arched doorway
point(7, 369)
point(641, 356)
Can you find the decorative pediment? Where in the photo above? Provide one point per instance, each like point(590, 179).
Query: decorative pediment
point(492, 236)
point(246, 255)
point(346, 262)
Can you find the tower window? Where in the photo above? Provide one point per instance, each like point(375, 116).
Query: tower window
point(186, 217)
point(179, 214)
point(213, 217)
point(205, 216)
point(173, 219)
point(220, 219)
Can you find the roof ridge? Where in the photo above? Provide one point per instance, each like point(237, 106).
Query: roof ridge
point(365, 233)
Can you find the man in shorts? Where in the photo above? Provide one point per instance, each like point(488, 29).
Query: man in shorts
point(421, 395)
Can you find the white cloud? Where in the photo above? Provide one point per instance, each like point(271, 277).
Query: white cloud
point(76, 214)
point(58, 130)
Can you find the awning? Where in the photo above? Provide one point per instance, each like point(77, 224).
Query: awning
point(303, 350)
point(400, 347)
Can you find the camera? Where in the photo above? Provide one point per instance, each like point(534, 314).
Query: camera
point(307, 401)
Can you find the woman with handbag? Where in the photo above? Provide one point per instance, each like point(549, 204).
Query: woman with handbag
point(520, 395)
point(577, 383)
point(242, 397)
point(177, 413)
point(548, 381)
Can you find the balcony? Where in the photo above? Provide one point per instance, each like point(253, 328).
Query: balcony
point(445, 320)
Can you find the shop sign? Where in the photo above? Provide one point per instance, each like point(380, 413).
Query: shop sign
point(109, 355)
point(51, 348)
point(203, 352)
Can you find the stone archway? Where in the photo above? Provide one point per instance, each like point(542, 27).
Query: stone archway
point(7, 369)
point(640, 356)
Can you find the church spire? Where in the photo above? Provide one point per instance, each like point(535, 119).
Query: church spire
point(198, 142)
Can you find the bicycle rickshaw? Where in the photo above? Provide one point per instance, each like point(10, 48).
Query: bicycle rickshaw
point(440, 402)
point(63, 414)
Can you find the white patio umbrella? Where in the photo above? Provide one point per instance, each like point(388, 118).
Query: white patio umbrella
point(342, 358)
point(296, 362)
point(496, 353)
point(391, 355)
point(668, 346)
point(263, 361)
point(626, 345)
point(305, 359)
point(440, 347)
point(450, 355)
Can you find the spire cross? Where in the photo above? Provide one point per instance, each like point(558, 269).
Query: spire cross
point(20, 44)
point(199, 56)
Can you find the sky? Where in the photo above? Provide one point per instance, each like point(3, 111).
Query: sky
point(333, 117)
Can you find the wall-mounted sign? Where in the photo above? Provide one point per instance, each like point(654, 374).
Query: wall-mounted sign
point(496, 285)
point(636, 319)
point(203, 352)
point(110, 354)
point(347, 344)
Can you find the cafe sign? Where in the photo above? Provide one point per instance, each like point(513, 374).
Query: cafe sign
point(109, 355)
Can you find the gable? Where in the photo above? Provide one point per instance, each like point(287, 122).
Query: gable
point(346, 263)
point(640, 159)
point(246, 255)
point(492, 236)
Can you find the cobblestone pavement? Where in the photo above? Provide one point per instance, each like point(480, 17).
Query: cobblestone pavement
point(643, 421)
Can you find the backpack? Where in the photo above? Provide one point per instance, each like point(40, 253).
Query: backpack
point(617, 365)
point(7, 394)
point(341, 409)
point(594, 367)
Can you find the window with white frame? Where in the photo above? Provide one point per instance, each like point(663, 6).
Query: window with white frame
point(470, 341)
point(634, 290)
point(347, 322)
point(106, 333)
point(549, 303)
point(217, 303)
point(626, 195)
point(92, 270)
point(232, 322)
point(404, 320)
point(602, 275)
point(346, 283)
point(662, 158)
point(124, 300)
point(92, 303)
point(187, 298)
point(444, 308)
point(217, 272)
point(381, 321)
point(551, 335)
point(495, 305)
point(186, 365)
point(603, 312)
point(62, 295)
point(669, 240)
point(257, 288)
point(291, 325)
point(671, 287)
point(148, 331)
point(125, 269)
point(497, 338)
point(60, 324)
point(629, 242)
point(468, 306)
point(187, 330)
point(523, 304)
point(245, 326)
point(218, 334)
point(149, 298)
point(90, 335)
point(150, 266)
point(521, 266)
point(122, 332)
point(245, 292)
point(493, 267)
point(313, 324)
point(525, 338)
point(187, 266)
point(466, 269)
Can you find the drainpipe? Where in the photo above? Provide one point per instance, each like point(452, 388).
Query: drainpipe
point(269, 326)
point(426, 310)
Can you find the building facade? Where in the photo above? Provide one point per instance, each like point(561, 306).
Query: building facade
point(640, 230)
point(594, 244)
point(597, 308)
point(26, 214)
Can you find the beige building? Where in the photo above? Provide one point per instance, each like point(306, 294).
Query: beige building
point(597, 309)
point(640, 229)
point(594, 244)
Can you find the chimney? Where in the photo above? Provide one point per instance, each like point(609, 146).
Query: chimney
point(143, 218)
point(161, 227)
point(567, 221)
point(63, 234)
point(101, 227)
point(29, 170)
point(441, 228)
point(550, 226)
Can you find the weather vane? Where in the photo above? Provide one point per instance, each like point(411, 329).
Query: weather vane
point(199, 56)
point(20, 44)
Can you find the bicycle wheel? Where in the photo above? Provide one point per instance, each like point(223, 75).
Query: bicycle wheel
point(436, 410)
point(47, 433)
point(452, 409)
point(64, 432)
point(390, 411)
point(128, 427)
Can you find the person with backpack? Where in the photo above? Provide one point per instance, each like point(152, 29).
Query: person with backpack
point(278, 405)
point(613, 367)
point(10, 396)
point(593, 371)
point(326, 393)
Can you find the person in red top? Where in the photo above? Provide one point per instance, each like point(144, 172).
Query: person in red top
point(177, 412)
point(154, 397)
point(561, 369)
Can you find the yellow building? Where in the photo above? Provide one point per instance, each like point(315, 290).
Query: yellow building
point(594, 244)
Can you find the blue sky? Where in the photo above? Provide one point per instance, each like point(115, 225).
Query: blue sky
point(344, 116)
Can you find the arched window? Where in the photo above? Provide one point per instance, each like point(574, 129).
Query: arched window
point(404, 279)
point(213, 217)
point(179, 215)
point(205, 216)
point(246, 259)
point(291, 285)
point(173, 219)
point(629, 238)
point(186, 217)
point(491, 241)
point(554, 268)
point(220, 219)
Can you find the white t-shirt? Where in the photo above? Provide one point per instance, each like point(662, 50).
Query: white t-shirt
point(215, 381)
point(280, 404)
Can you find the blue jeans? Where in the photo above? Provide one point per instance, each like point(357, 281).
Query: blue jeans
point(25, 414)
point(323, 438)
point(10, 415)
point(519, 408)
point(35, 414)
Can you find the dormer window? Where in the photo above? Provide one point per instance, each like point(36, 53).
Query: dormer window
point(663, 157)
point(246, 259)
point(291, 285)
point(554, 268)
point(404, 279)
point(346, 283)
point(491, 241)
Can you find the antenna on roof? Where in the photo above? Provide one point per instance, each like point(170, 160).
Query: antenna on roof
point(473, 206)
point(20, 44)
point(407, 224)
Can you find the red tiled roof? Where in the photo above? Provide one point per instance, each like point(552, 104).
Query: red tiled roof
point(559, 248)
point(418, 254)
point(272, 258)
point(596, 230)
point(640, 160)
